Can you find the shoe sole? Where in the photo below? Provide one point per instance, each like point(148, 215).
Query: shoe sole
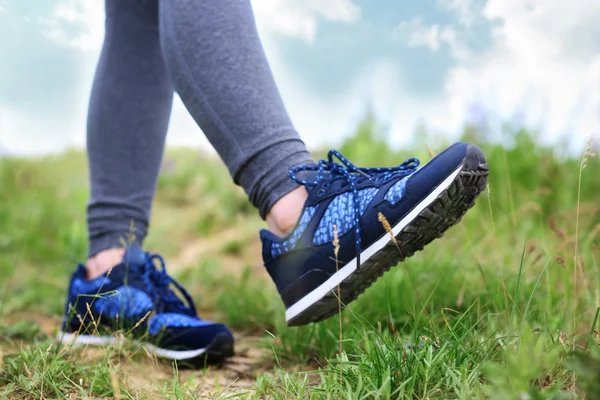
point(219, 349)
point(427, 221)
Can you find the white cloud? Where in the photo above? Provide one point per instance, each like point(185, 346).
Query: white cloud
point(23, 133)
point(301, 18)
point(84, 17)
point(538, 67)
point(416, 33)
point(541, 69)
point(464, 8)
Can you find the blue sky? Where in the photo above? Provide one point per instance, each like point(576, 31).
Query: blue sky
point(437, 63)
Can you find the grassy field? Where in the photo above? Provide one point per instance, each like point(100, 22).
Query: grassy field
point(504, 306)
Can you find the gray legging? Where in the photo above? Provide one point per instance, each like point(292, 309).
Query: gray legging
point(210, 53)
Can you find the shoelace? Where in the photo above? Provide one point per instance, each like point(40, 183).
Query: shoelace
point(351, 173)
point(161, 281)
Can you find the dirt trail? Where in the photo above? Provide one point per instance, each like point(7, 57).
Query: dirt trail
point(231, 263)
point(235, 376)
point(146, 375)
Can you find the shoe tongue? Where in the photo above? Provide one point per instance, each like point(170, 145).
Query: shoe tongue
point(135, 256)
point(311, 176)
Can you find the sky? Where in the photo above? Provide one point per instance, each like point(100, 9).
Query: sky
point(438, 64)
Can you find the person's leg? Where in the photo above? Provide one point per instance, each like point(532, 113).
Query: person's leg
point(218, 66)
point(129, 290)
point(128, 118)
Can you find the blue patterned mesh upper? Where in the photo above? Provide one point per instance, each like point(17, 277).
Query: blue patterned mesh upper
point(341, 213)
point(382, 176)
point(84, 286)
point(172, 320)
point(129, 302)
point(396, 192)
point(289, 243)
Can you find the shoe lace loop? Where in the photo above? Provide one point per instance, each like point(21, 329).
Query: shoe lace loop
point(161, 282)
point(352, 174)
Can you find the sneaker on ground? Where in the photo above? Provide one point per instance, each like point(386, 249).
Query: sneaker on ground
point(135, 301)
point(380, 217)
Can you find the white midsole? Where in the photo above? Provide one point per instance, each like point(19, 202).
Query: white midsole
point(335, 279)
point(83, 340)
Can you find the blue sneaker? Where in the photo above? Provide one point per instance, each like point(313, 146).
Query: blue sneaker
point(418, 205)
point(135, 298)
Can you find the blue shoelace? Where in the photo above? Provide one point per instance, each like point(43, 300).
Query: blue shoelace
point(353, 175)
point(161, 281)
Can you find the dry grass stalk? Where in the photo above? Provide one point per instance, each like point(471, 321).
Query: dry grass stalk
point(388, 228)
point(587, 154)
point(429, 151)
point(336, 251)
point(141, 320)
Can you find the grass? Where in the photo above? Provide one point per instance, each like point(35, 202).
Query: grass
point(43, 371)
point(504, 306)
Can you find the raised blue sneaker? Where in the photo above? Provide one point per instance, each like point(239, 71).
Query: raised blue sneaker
point(136, 299)
point(417, 204)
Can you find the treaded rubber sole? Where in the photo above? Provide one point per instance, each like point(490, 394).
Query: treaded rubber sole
point(216, 352)
point(219, 349)
point(431, 223)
